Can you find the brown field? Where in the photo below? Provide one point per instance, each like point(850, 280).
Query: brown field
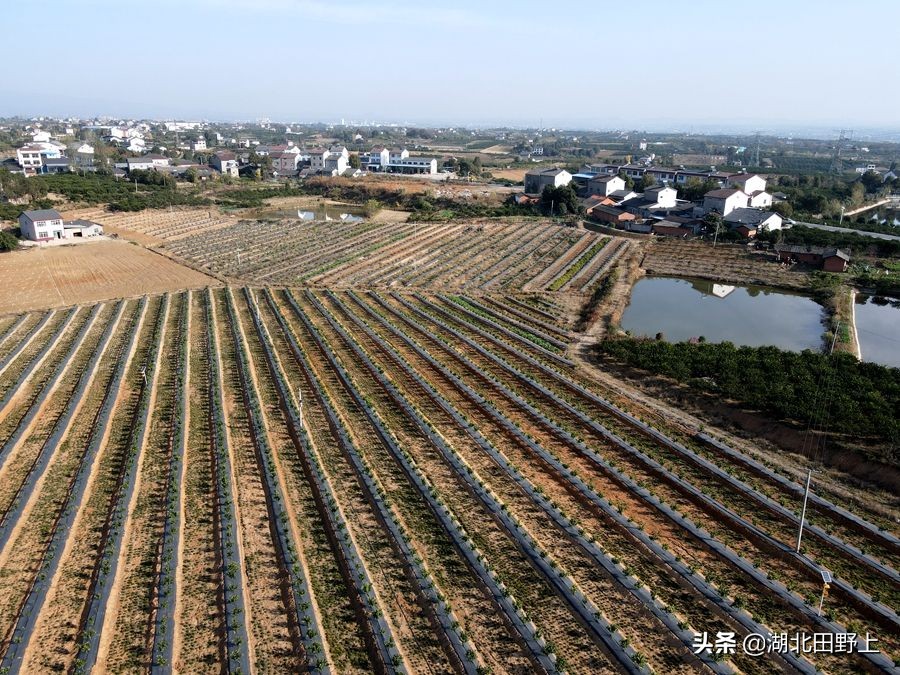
point(726, 262)
point(509, 174)
point(56, 276)
point(451, 442)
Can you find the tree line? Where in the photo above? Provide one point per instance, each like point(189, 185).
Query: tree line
point(853, 399)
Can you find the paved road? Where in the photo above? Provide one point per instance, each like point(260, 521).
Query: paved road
point(831, 228)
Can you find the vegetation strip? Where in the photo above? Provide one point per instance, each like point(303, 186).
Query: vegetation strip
point(162, 625)
point(234, 615)
point(49, 386)
point(50, 342)
point(25, 341)
point(564, 523)
point(608, 508)
point(399, 539)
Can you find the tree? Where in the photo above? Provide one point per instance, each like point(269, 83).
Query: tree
point(354, 161)
point(783, 209)
point(560, 201)
point(872, 181)
point(645, 183)
point(629, 183)
point(8, 242)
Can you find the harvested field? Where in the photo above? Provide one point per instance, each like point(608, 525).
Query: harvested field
point(497, 255)
point(312, 480)
point(726, 262)
point(56, 276)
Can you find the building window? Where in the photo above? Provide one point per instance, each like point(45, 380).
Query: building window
point(42, 235)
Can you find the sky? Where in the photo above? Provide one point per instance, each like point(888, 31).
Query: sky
point(688, 66)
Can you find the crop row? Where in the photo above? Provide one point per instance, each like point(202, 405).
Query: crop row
point(710, 505)
point(572, 597)
point(74, 488)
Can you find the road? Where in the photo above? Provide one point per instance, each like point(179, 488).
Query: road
point(831, 228)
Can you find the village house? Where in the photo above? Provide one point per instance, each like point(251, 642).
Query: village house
point(753, 220)
point(611, 215)
point(536, 181)
point(81, 229)
point(724, 200)
point(284, 162)
point(83, 155)
point(30, 158)
point(56, 165)
point(225, 162)
point(604, 185)
point(829, 259)
point(198, 144)
point(41, 225)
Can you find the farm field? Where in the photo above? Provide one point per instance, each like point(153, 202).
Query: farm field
point(725, 263)
point(392, 479)
point(56, 276)
point(494, 256)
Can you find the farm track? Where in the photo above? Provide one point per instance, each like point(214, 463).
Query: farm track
point(471, 602)
point(437, 461)
point(757, 550)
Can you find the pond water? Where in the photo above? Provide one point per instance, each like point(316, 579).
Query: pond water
point(319, 212)
point(754, 316)
point(878, 329)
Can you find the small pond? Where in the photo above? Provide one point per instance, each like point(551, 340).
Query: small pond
point(878, 329)
point(754, 316)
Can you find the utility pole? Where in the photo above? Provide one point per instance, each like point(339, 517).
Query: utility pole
point(803, 512)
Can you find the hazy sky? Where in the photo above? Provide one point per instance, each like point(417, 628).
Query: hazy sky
point(593, 64)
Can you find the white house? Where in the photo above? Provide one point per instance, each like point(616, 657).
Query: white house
point(724, 200)
point(605, 185)
point(81, 229)
point(30, 158)
point(412, 165)
point(536, 181)
point(337, 163)
point(748, 183)
point(42, 225)
point(198, 144)
point(379, 158)
point(225, 162)
point(41, 136)
point(662, 195)
point(83, 154)
point(759, 200)
point(136, 145)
